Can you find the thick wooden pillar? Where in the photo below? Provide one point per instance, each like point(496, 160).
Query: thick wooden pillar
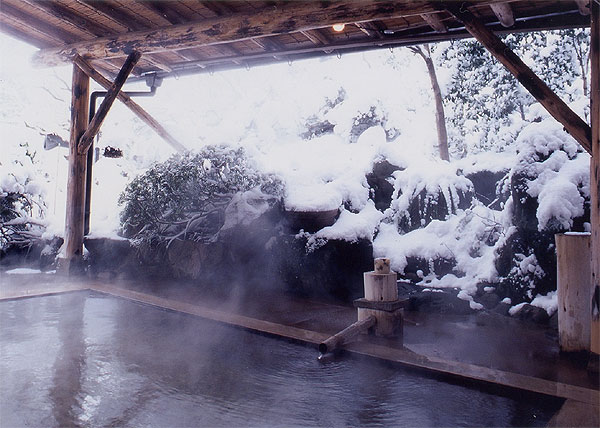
point(574, 291)
point(595, 172)
point(73, 246)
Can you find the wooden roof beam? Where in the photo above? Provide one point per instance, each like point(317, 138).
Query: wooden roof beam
point(504, 13)
point(132, 105)
point(572, 123)
point(292, 17)
point(434, 21)
point(584, 6)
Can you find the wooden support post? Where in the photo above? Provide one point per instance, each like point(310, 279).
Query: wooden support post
point(595, 172)
point(574, 291)
point(88, 137)
point(133, 106)
point(73, 246)
point(540, 91)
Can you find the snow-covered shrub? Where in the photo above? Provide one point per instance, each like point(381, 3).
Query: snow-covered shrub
point(317, 124)
point(549, 195)
point(427, 191)
point(21, 201)
point(551, 179)
point(375, 115)
point(187, 196)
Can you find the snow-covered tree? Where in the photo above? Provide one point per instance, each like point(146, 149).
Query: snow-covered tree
point(485, 105)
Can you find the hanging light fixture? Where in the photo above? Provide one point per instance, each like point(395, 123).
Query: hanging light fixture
point(338, 27)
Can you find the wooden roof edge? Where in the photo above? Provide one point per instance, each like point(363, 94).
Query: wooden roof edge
point(289, 18)
point(573, 20)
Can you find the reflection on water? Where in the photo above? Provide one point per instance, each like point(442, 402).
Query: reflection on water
point(89, 360)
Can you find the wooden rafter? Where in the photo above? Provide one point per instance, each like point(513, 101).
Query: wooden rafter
point(8, 26)
point(584, 6)
point(434, 21)
point(45, 27)
point(316, 37)
point(504, 13)
point(572, 123)
point(293, 17)
point(73, 18)
point(122, 17)
point(168, 13)
point(370, 29)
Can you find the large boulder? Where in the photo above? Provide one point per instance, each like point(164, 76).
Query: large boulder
point(419, 267)
point(110, 256)
point(487, 187)
point(439, 301)
point(428, 205)
point(334, 270)
point(427, 192)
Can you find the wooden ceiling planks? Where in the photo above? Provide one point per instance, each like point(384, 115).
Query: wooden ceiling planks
point(55, 23)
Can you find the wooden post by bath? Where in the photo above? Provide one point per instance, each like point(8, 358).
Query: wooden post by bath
point(595, 173)
point(73, 246)
point(574, 291)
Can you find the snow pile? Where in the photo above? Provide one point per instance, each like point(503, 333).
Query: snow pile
point(468, 238)
point(23, 271)
point(486, 161)
point(349, 226)
point(548, 302)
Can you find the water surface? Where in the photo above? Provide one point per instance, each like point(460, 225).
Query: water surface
point(84, 359)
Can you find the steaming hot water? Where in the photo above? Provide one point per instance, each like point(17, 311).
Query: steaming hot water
point(89, 360)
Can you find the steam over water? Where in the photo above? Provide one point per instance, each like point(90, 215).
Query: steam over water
point(88, 360)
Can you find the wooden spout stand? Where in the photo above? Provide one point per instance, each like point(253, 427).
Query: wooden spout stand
point(381, 287)
point(381, 299)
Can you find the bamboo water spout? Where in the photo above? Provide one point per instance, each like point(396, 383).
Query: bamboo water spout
point(347, 334)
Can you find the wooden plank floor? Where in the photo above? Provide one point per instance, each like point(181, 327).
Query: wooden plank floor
point(397, 355)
